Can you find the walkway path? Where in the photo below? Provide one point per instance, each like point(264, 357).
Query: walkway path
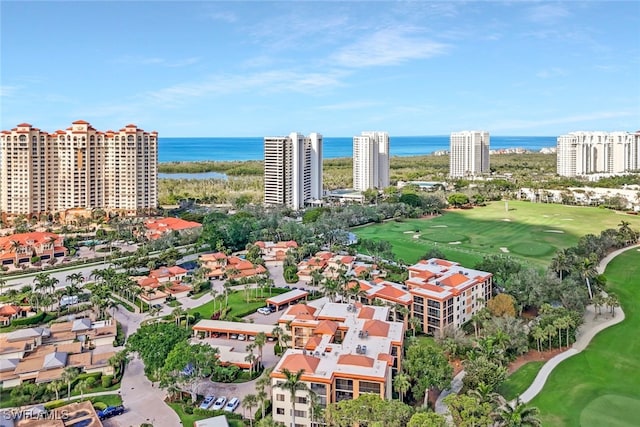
point(585, 334)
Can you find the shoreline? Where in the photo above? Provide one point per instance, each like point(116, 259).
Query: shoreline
point(439, 153)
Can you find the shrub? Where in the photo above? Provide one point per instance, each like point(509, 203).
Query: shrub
point(99, 406)
point(188, 409)
point(106, 381)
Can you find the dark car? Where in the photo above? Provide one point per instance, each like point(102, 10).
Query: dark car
point(111, 411)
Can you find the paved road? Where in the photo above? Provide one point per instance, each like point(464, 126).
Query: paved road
point(144, 402)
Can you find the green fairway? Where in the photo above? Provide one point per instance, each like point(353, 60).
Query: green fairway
point(601, 385)
point(531, 231)
point(520, 380)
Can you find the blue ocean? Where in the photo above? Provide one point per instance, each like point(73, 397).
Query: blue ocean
point(250, 148)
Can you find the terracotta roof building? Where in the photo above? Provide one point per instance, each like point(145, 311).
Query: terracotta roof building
point(343, 350)
point(80, 167)
point(19, 248)
point(156, 228)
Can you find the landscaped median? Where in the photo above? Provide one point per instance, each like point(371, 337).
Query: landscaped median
point(599, 386)
point(240, 303)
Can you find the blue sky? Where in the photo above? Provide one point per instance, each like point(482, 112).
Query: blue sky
point(249, 68)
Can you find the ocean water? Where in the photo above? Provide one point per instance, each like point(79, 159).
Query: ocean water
point(250, 148)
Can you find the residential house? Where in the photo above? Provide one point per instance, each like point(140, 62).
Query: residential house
point(20, 248)
point(156, 228)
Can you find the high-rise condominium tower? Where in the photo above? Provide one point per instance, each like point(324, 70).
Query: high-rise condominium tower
point(469, 153)
point(586, 153)
point(370, 161)
point(292, 169)
point(80, 167)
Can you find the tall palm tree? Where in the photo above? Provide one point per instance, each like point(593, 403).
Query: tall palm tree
point(260, 341)
point(3, 283)
point(249, 401)
point(401, 384)
point(292, 384)
point(69, 375)
point(587, 270)
point(518, 415)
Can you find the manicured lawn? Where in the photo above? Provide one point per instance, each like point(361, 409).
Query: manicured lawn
point(189, 419)
point(238, 302)
point(530, 231)
point(601, 385)
point(520, 380)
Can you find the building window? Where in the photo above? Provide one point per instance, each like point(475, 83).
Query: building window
point(301, 414)
point(280, 397)
point(369, 387)
point(280, 411)
point(302, 400)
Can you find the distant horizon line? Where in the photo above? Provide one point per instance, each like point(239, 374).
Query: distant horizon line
point(390, 136)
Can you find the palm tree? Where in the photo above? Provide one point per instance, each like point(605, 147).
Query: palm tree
point(55, 386)
point(485, 394)
point(292, 384)
point(251, 358)
point(260, 341)
point(612, 303)
point(250, 400)
point(401, 384)
point(262, 397)
point(587, 270)
point(3, 283)
point(83, 385)
point(69, 375)
point(518, 415)
point(538, 334)
point(178, 313)
point(414, 322)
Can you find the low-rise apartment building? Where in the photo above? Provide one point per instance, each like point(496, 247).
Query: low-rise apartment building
point(275, 251)
point(343, 351)
point(220, 265)
point(158, 227)
point(41, 354)
point(446, 294)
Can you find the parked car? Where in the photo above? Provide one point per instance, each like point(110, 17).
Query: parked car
point(232, 405)
point(242, 337)
point(219, 404)
point(110, 411)
point(264, 310)
point(234, 336)
point(208, 401)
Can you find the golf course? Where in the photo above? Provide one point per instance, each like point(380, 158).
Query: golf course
point(530, 231)
point(601, 385)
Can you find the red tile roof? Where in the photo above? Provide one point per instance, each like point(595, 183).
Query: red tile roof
point(296, 362)
point(356, 360)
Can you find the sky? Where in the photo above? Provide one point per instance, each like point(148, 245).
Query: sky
point(256, 68)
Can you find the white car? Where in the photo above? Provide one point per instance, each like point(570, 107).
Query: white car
point(232, 405)
point(219, 404)
point(264, 310)
point(242, 337)
point(207, 402)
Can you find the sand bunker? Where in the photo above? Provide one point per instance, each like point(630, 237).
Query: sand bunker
point(439, 226)
point(416, 236)
point(567, 219)
point(505, 250)
point(507, 219)
point(409, 232)
point(554, 231)
point(455, 243)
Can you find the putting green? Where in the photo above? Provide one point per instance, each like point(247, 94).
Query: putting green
point(612, 411)
point(442, 235)
point(532, 249)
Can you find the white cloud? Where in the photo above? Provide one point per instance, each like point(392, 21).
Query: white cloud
point(547, 14)
point(7, 91)
point(162, 62)
point(264, 82)
point(388, 47)
point(552, 72)
point(228, 17)
point(352, 105)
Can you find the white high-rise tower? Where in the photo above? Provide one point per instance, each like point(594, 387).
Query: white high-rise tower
point(292, 170)
point(469, 153)
point(370, 161)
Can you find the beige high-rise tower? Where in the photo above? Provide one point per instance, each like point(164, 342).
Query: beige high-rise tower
point(469, 153)
point(371, 161)
point(80, 167)
point(292, 170)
